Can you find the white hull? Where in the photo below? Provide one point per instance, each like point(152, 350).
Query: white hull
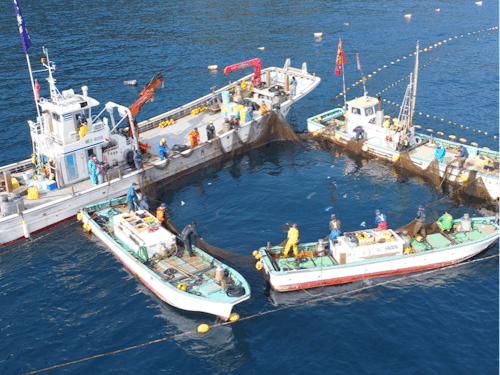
point(166, 292)
point(63, 204)
point(377, 150)
point(395, 265)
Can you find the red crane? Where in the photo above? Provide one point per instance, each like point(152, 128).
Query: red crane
point(256, 63)
point(146, 96)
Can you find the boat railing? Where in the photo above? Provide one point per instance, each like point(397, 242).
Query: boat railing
point(17, 167)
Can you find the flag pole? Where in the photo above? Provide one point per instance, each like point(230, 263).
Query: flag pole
point(343, 79)
point(33, 85)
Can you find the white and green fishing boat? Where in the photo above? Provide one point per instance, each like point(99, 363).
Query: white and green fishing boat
point(154, 254)
point(368, 254)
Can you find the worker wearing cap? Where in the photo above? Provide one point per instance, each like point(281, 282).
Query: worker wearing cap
point(462, 157)
point(194, 137)
point(131, 196)
point(445, 222)
point(162, 147)
point(380, 220)
point(210, 130)
point(249, 114)
point(420, 224)
point(263, 108)
point(440, 152)
point(293, 239)
point(335, 223)
point(144, 203)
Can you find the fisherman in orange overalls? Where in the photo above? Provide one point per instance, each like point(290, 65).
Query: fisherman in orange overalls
point(194, 137)
point(263, 108)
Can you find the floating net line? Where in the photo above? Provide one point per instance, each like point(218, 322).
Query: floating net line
point(472, 191)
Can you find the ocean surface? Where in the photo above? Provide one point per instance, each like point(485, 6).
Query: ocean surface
point(65, 297)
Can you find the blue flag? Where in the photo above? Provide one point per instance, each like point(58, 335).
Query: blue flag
point(22, 29)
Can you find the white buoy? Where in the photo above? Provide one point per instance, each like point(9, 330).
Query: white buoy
point(26, 230)
point(213, 67)
point(318, 35)
point(407, 15)
point(479, 3)
point(132, 82)
point(261, 48)
point(346, 24)
point(438, 10)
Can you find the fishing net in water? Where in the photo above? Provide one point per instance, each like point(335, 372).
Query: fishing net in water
point(355, 147)
point(473, 190)
point(220, 254)
point(430, 228)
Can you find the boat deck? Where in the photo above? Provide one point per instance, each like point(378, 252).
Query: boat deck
point(196, 274)
point(307, 260)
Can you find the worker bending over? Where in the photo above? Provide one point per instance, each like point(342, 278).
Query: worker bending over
point(249, 114)
point(420, 224)
point(460, 158)
point(144, 203)
point(186, 236)
point(293, 240)
point(194, 137)
point(162, 147)
point(380, 220)
point(360, 133)
point(445, 222)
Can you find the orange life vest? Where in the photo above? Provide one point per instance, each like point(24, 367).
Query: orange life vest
point(160, 213)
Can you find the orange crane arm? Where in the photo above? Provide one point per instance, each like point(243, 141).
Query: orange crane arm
point(146, 96)
point(256, 63)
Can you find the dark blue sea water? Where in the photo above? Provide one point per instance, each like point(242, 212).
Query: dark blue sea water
point(65, 297)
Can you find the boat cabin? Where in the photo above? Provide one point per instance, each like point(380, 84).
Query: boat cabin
point(366, 244)
point(367, 112)
point(140, 231)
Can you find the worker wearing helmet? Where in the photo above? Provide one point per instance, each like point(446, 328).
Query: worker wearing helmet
point(210, 130)
point(162, 147)
point(380, 220)
point(263, 108)
point(131, 196)
point(194, 137)
point(440, 152)
point(293, 240)
point(335, 223)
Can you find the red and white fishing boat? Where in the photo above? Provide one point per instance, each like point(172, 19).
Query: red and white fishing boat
point(368, 254)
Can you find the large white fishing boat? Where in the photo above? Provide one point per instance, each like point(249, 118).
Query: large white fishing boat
point(198, 283)
point(69, 130)
point(368, 254)
point(397, 141)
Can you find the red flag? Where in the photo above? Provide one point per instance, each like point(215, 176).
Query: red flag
point(359, 65)
point(340, 59)
point(37, 90)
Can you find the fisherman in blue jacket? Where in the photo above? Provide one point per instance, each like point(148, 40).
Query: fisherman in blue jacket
point(162, 148)
point(440, 152)
point(462, 157)
point(131, 195)
point(380, 220)
point(137, 159)
point(360, 133)
point(249, 114)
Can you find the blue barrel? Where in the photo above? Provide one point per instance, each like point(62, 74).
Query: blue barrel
point(225, 97)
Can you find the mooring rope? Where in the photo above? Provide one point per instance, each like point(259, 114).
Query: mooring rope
point(59, 228)
point(261, 313)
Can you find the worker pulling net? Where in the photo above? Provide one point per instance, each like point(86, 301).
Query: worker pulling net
point(223, 254)
point(430, 228)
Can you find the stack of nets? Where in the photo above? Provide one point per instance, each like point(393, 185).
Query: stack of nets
point(430, 228)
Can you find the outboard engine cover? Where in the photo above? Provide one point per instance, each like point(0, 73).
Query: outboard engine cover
point(465, 225)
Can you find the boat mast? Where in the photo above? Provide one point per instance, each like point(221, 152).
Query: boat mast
point(414, 87)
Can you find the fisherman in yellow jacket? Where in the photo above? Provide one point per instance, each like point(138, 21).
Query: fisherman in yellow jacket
point(293, 240)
